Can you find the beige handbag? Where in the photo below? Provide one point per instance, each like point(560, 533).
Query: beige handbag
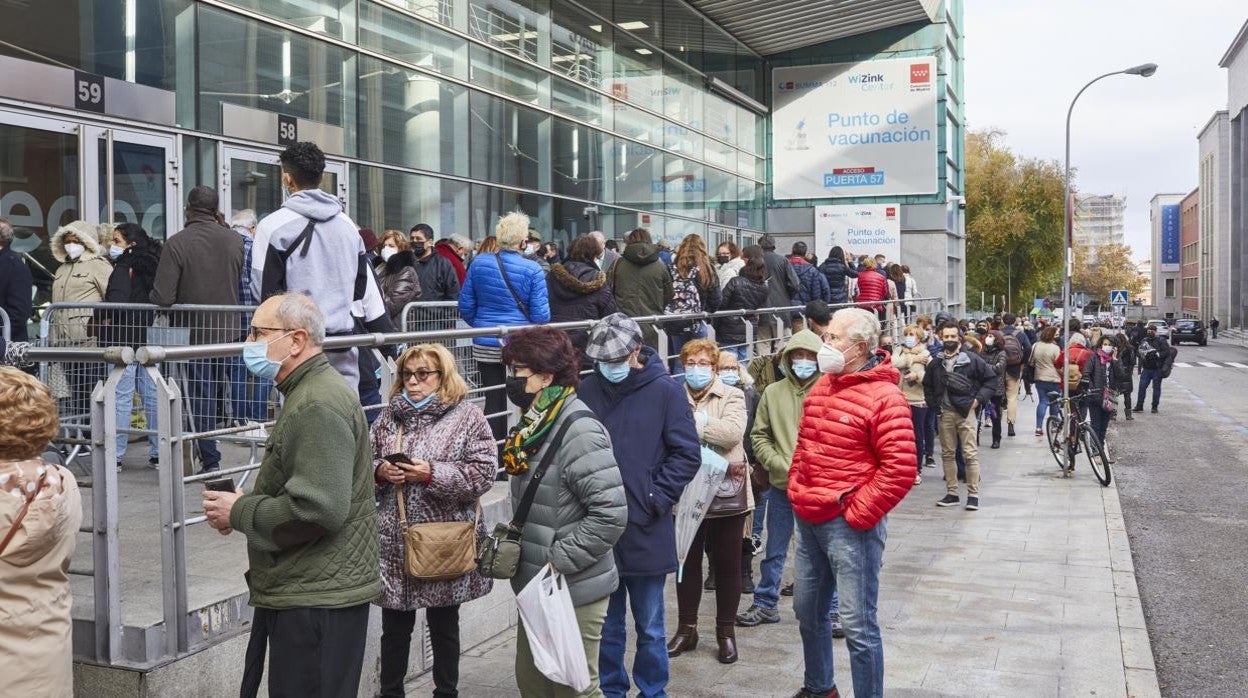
point(437, 550)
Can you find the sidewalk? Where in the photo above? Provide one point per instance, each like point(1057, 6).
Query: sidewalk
point(1033, 595)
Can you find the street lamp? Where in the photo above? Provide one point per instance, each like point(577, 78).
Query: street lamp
point(1143, 70)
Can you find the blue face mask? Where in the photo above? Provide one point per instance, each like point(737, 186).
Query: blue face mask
point(730, 377)
point(698, 377)
point(615, 373)
point(417, 404)
point(114, 251)
point(910, 340)
point(256, 359)
point(804, 368)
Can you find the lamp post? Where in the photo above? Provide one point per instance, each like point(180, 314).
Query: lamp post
point(1143, 70)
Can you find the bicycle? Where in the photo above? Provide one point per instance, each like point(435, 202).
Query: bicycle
point(1080, 439)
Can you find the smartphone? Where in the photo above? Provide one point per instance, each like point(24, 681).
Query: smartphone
point(397, 458)
point(225, 484)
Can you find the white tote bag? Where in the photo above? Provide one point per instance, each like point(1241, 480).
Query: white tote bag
point(550, 625)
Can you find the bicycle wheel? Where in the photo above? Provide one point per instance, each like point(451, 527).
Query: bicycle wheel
point(1053, 433)
point(1096, 454)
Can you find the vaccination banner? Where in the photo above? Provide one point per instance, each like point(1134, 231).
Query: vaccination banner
point(859, 229)
point(855, 129)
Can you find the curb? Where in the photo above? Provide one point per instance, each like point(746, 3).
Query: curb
point(1137, 650)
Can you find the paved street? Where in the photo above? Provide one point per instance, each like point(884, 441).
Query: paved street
point(1031, 596)
point(1181, 476)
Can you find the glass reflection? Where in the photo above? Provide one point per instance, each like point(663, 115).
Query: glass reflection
point(409, 118)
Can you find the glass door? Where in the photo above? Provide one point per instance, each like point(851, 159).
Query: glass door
point(252, 179)
point(134, 179)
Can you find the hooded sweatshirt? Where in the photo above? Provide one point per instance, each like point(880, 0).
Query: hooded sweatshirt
point(642, 285)
point(779, 413)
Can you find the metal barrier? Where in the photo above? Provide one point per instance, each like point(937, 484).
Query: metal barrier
point(6, 331)
point(444, 315)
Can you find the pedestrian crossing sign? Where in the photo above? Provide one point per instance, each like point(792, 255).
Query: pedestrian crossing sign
point(1118, 297)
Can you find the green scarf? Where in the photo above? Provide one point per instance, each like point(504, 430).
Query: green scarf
point(525, 438)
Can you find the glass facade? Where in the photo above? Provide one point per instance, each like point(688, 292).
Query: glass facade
point(454, 111)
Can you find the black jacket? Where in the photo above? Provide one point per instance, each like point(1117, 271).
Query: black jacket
point(782, 283)
point(131, 282)
point(978, 374)
point(1097, 376)
point(1025, 342)
point(578, 291)
point(16, 285)
point(1154, 354)
point(438, 280)
point(740, 293)
point(836, 271)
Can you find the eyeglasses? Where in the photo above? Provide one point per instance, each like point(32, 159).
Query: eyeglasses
point(254, 332)
point(699, 364)
point(511, 371)
point(420, 374)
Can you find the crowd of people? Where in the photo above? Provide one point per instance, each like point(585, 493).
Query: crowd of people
point(823, 433)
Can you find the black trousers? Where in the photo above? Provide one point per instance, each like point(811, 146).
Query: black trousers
point(495, 400)
point(314, 652)
point(396, 643)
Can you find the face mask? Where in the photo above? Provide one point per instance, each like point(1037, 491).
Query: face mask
point(831, 360)
point(419, 249)
point(387, 252)
point(989, 341)
point(256, 359)
point(784, 370)
point(73, 250)
point(723, 258)
point(730, 377)
point(516, 392)
point(1107, 350)
point(698, 377)
point(804, 368)
point(615, 373)
point(927, 334)
point(114, 251)
point(950, 345)
point(417, 404)
point(911, 340)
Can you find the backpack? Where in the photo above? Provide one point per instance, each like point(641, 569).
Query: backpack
point(686, 298)
point(1013, 351)
point(1074, 374)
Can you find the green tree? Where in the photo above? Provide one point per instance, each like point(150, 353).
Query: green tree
point(1013, 222)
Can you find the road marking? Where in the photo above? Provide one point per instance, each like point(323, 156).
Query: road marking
point(1180, 364)
point(1209, 364)
point(1236, 365)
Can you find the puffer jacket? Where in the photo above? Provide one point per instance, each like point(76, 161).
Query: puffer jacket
point(779, 414)
point(579, 510)
point(399, 284)
point(969, 365)
point(642, 285)
point(486, 301)
point(84, 280)
point(872, 287)
point(1097, 375)
point(836, 271)
point(741, 293)
point(724, 431)
point(912, 372)
point(131, 282)
point(578, 291)
point(855, 452)
point(812, 285)
point(995, 358)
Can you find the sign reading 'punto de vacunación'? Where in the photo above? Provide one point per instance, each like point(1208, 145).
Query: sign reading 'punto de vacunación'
point(855, 129)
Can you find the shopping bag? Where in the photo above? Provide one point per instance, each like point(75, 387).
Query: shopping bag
point(550, 625)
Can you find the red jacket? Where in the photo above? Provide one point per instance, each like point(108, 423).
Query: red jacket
point(444, 248)
point(855, 448)
point(872, 286)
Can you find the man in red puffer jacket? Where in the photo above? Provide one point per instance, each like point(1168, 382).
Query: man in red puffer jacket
point(855, 460)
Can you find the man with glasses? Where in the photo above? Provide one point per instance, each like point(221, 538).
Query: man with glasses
point(310, 521)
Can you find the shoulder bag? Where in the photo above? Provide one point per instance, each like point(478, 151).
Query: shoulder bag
point(21, 513)
point(498, 257)
point(731, 497)
point(437, 550)
point(500, 554)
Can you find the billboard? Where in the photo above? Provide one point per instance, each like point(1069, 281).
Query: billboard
point(855, 129)
point(1170, 252)
point(859, 229)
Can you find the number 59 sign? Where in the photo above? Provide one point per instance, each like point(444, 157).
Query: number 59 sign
point(88, 92)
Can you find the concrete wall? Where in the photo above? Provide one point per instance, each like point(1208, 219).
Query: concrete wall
point(1217, 266)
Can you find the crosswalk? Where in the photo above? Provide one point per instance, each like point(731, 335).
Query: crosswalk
point(1209, 364)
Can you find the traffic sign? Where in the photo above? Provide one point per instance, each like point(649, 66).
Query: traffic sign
point(1118, 297)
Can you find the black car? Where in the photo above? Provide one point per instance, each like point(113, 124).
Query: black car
point(1189, 331)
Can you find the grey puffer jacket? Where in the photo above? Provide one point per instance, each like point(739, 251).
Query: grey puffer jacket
point(578, 513)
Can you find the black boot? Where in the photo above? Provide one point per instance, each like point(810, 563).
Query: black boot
point(1011, 432)
point(747, 566)
point(996, 443)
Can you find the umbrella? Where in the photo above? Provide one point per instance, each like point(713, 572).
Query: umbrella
point(691, 508)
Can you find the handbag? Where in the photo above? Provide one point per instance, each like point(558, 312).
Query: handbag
point(500, 553)
point(21, 513)
point(437, 550)
point(731, 498)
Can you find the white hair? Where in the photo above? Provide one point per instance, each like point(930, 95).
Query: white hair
point(462, 241)
point(597, 235)
point(298, 312)
point(245, 218)
point(861, 325)
point(512, 230)
point(6, 232)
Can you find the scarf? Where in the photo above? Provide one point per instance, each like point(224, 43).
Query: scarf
point(526, 438)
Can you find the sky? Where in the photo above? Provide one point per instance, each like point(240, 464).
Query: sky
point(1026, 59)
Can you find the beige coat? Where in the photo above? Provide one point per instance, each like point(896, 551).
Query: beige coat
point(36, 651)
point(912, 372)
point(723, 430)
point(83, 280)
point(1043, 358)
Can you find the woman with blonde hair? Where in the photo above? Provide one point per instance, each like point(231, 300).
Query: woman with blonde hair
point(434, 449)
point(502, 288)
point(397, 275)
point(40, 512)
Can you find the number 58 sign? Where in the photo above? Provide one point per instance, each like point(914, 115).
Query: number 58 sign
point(88, 92)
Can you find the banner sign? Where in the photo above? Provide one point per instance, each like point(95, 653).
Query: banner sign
point(855, 129)
point(859, 229)
point(1170, 253)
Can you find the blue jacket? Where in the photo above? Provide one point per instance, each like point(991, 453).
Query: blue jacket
point(812, 284)
point(656, 446)
point(485, 300)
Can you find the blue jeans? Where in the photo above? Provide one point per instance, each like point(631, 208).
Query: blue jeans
point(760, 514)
point(136, 375)
point(205, 379)
point(779, 533)
point(833, 555)
point(1043, 406)
point(249, 396)
point(650, 669)
point(1149, 375)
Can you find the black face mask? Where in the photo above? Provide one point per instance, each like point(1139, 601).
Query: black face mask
point(418, 249)
point(517, 394)
point(950, 345)
point(723, 258)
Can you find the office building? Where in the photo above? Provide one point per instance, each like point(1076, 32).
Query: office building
point(1165, 218)
point(1099, 221)
point(1190, 255)
point(1215, 233)
point(1235, 60)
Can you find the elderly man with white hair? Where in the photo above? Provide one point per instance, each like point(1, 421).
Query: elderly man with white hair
point(310, 519)
point(606, 257)
point(854, 462)
point(16, 284)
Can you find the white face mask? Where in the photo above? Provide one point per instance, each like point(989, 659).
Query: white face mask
point(387, 252)
point(73, 250)
point(831, 359)
point(989, 341)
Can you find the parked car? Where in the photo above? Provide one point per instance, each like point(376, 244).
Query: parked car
point(1189, 331)
point(1163, 329)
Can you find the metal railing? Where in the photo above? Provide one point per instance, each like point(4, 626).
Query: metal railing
point(6, 331)
point(185, 629)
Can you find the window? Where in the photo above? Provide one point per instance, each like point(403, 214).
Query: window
point(334, 18)
point(385, 199)
point(578, 160)
point(412, 119)
point(1169, 288)
point(507, 143)
point(495, 71)
point(514, 27)
point(406, 39)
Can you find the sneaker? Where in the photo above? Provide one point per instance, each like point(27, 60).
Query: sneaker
point(787, 589)
point(747, 582)
point(1154, 410)
point(209, 469)
point(1138, 408)
point(972, 503)
point(709, 582)
point(950, 500)
point(757, 615)
point(806, 693)
point(929, 462)
point(756, 543)
point(918, 480)
point(838, 630)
